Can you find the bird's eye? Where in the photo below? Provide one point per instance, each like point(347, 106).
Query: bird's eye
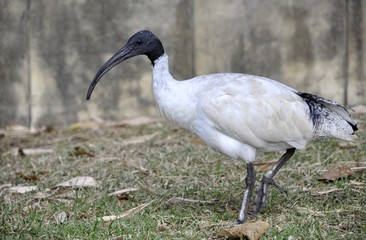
point(139, 42)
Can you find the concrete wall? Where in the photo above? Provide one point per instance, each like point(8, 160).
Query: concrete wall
point(51, 49)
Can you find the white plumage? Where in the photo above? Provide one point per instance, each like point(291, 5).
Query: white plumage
point(245, 110)
point(238, 115)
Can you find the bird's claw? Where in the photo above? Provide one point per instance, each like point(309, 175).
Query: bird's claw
point(262, 192)
point(272, 182)
point(238, 222)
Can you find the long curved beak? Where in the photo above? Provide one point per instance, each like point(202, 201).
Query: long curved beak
point(122, 54)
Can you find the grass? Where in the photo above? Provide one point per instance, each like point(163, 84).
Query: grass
point(171, 164)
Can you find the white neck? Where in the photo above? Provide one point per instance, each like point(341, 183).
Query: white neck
point(170, 94)
point(161, 75)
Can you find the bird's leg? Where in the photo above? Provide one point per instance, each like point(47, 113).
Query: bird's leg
point(267, 179)
point(249, 181)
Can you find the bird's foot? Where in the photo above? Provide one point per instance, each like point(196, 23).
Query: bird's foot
point(272, 182)
point(238, 222)
point(252, 218)
point(262, 192)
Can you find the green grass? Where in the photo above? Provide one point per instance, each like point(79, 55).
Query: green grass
point(172, 164)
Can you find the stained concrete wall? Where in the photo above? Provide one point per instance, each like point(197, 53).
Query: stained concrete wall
point(50, 50)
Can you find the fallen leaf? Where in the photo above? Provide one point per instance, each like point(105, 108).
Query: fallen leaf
point(22, 189)
point(123, 191)
point(319, 193)
point(79, 182)
point(79, 151)
point(130, 163)
point(61, 217)
point(30, 151)
point(35, 151)
point(139, 139)
point(356, 183)
point(29, 177)
point(127, 213)
point(123, 195)
point(251, 230)
point(179, 200)
point(335, 173)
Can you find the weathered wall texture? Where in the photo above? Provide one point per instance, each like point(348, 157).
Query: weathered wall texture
point(50, 50)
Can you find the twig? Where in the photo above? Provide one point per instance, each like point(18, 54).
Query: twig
point(358, 169)
point(177, 200)
point(127, 213)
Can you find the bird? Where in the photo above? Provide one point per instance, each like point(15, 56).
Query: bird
point(238, 115)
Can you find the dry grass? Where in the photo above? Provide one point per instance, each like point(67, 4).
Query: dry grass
point(166, 163)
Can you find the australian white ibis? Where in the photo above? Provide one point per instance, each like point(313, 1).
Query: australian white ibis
point(237, 114)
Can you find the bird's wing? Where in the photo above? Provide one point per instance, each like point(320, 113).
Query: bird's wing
point(257, 111)
point(339, 109)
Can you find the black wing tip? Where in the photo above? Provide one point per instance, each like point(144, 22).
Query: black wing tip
point(354, 126)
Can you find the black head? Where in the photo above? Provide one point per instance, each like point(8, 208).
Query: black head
point(141, 43)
